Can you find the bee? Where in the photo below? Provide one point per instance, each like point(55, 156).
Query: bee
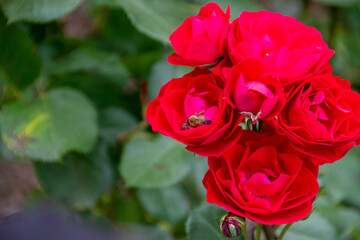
point(194, 121)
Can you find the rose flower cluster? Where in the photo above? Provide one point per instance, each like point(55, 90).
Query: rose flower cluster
point(262, 105)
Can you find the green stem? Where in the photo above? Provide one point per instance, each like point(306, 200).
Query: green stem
point(246, 236)
point(254, 128)
point(258, 231)
point(141, 125)
point(260, 123)
point(268, 232)
point(284, 231)
point(248, 124)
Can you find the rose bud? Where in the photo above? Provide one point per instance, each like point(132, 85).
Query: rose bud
point(322, 118)
point(201, 40)
point(287, 48)
point(264, 179)
point(232, 225)
point(192, 110)
point(254, 93)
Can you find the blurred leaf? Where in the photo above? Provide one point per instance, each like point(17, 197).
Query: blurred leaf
point(313, 228)
point(120, 35)
point(90, 59)
point(156, 162)
point(169, 204)
point(79, 180)
point(5, 153)
point(125, 209)
point(146, 60)
point(50, 125)
point(140, 232)
point(19, 64)
point(157, 18)
point(292, 8)
point(343, 177)
point(346, 62)
point(340, 3)
point(199, 169)
point(37, 10)
point(108, 3)
point(161, 73)
point(203, 223)
point(345, 219)
point(115, 121)
point(237, 6)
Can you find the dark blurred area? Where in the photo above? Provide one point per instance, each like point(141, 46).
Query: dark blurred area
point(49, 223)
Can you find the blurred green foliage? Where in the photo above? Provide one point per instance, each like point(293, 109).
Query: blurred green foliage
point(75, 80)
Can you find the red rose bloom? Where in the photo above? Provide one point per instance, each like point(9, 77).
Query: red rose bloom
point(201, 40)
point(192, 110)
point(263, 179)
point(252, 92)
point(220, 69)
point(287, 48)
point(322, 118)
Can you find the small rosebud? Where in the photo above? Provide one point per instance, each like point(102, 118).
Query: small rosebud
point(232, 225)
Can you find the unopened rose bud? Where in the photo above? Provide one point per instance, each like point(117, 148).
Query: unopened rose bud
point(232, 225)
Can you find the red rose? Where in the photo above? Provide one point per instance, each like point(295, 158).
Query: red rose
point(192, 110)
point(287, 48)
point(322, 118)
point(263, 179)
point(222, 67)
point(252, 92)
point(201, 40)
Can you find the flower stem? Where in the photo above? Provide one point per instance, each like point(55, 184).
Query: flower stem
point(269, 232)
point(245, 234)
point(260, 126)
point(284, 231)
point(254, 127)
point(248, 124)
point(258, 231)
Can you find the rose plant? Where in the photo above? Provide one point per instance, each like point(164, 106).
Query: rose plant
point(255, 135)
point(271, 73)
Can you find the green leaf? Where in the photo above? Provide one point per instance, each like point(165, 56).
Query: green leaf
point(156, 162)
point(122, 207)
point(139, 231)
point(313, 228)
point(198, 172)
point(341, 178)
point(345, 219)
point(37, 10)
point(161, 73)
point(203, 223)
point(237, 6)
point(49, 126)
point(114, 122)
point(157, 18)
point(79, 180)
point(19, 64)
point(88, 60)
point(340, 3)
point(108, 3)
point(169, 204)
point(5, 153)
point(346, 62)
